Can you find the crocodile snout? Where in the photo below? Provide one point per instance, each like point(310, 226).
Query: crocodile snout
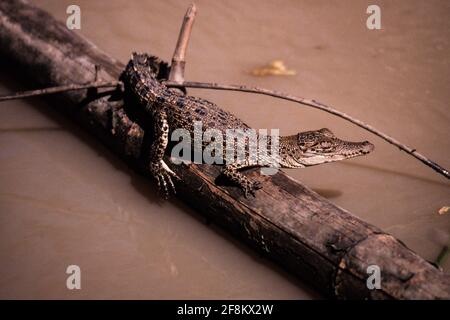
point(367, 147)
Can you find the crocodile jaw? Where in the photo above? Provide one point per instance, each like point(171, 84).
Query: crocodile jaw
point(347, 151)
point(311, 148)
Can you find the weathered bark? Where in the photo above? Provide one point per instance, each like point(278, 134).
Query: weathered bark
point(287, 222)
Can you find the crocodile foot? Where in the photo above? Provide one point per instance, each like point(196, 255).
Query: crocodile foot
point(249, 187)
point(164, 177)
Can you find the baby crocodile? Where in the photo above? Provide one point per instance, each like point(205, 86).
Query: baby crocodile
point(171, 109)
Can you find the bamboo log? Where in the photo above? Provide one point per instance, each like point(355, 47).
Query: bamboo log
point(287, 222)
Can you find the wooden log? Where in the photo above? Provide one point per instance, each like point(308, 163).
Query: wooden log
point(317, 241)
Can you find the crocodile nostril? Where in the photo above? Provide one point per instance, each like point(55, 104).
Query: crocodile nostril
point(368, 146)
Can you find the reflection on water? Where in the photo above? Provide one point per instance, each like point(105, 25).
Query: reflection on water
point(65, 199)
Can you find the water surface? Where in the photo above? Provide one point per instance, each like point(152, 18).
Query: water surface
point(65, 199)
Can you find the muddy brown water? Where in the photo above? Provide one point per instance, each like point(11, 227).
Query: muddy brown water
point(64, 199)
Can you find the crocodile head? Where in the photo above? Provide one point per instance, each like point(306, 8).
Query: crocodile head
point(320, 146)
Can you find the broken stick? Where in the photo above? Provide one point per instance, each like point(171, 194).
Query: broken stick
point(179, 56)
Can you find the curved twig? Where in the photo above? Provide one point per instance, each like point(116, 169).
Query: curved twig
point(217, 86)
point(59, 89)
point(320, 106)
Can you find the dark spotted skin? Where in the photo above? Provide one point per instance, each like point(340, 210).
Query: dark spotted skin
point(170, 109)
point(140, 77)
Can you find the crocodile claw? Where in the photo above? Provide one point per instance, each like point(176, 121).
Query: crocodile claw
point(249, 188)
point(164, 178)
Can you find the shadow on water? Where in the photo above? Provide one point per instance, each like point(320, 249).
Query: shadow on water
point(328, 193)
point(394, 172)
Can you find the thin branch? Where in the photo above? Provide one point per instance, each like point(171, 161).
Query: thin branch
point(53, 90)
point(178, 59)
point(317, 105)
point(241, 88)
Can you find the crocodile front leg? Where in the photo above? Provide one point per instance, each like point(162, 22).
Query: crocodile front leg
point(158, 168)
point(231, 172)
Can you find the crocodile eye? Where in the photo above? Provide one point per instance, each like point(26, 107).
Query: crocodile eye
point(325, 144)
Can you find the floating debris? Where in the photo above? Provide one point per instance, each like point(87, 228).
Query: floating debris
point(444, 210)
point(275, 68)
